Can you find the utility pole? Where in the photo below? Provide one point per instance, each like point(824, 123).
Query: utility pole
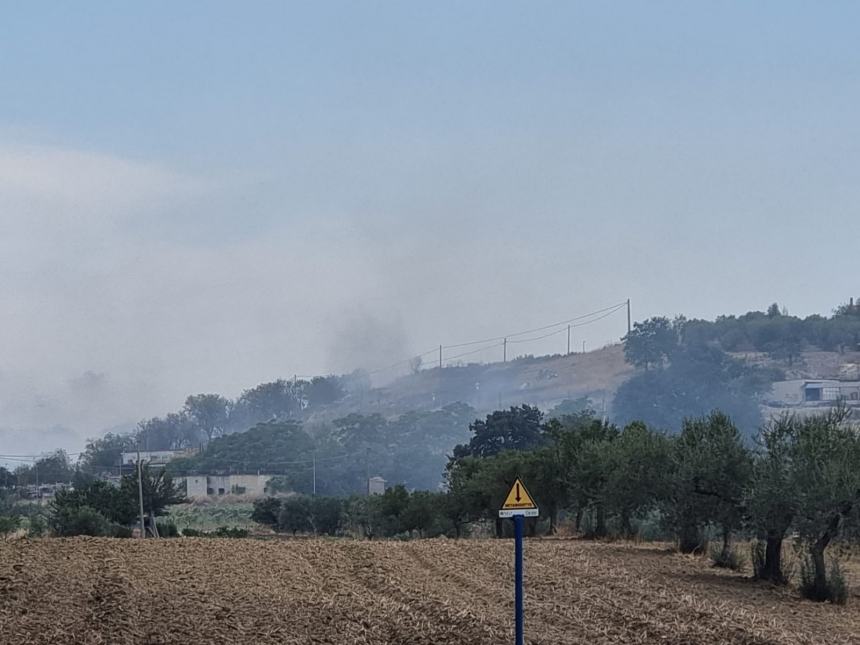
point(140, 493)
point(314, 456)
point(440, 357)
point(628, 316)
point(583, 347)
point(568, 340)
point(505, 350)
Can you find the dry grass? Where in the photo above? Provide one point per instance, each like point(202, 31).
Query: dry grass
point(190, 591)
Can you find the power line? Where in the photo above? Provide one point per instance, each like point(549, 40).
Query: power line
point(610, 309)
point(498, 341)
point(474, 351)
point(531, 340)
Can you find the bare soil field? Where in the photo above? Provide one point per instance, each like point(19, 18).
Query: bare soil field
point(194, 591)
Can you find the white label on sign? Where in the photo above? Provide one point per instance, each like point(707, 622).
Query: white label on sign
point(525, 512)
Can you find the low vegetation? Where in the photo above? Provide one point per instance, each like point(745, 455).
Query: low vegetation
point(704, 485)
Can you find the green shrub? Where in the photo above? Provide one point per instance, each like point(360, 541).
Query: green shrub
point(731, 559)
point(37, 526)
point(266, 511)
point(838, 585)
point(167, 529)
point(230, 532)
point(120, 531)
point(835, 589)
point(220, 532)
point(8, 524)
point(81, 520)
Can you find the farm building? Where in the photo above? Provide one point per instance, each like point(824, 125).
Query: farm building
point(200, 486)
point(814, 392)
point(376, 486)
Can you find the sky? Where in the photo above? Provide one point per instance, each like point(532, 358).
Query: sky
point(202, 196)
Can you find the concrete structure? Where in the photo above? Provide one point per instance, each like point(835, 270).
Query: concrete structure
point(375, 486)
point(814, 392)
point(201, 486)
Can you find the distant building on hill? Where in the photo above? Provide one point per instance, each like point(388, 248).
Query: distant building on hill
point(376, 486)
point(203, 486)
point(814, 393)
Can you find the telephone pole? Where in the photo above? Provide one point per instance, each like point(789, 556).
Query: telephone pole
point(314, 457)
point(440, 357)
point(568, 340)
point(505, 350)
point(628, 316)
point(140, 493)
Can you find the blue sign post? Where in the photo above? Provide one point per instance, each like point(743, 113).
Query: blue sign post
point(518, 505)
point(519, 521)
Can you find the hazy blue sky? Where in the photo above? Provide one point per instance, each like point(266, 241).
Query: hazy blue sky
point(199, 196)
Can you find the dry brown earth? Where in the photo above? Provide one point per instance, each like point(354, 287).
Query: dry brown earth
point(195, 591)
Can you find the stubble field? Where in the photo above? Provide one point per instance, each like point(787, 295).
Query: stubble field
point(194, 591)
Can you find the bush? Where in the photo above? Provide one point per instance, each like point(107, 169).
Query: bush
point(838, 585)
point(8, 524)
point(835, 589)
point(220, 532)
point(230, 532)
point(81, 520)
point(167, 529)
point(37, 526)
point(120, 531)
point(266, 511)
point(731, 559)
point(295, 514)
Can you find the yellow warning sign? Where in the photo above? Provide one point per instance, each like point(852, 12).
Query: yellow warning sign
point(518, 498)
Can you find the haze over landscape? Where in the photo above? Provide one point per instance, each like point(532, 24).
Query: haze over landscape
point(201, 197)
point(440, 323)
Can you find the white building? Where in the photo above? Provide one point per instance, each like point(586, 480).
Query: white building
point(376, 486)
point(808, 392)
point(202, 486)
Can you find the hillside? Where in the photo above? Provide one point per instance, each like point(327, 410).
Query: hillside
point(810, 364)
point(548, 380)
point(542, 381)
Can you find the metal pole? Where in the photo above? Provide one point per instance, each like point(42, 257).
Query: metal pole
point(518, 578)
point(628, 316)
point(505, 351)
point(140, 494)
point(440, 357)
point(568, 340)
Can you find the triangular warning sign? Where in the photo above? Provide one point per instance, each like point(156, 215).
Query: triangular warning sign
point(518, 499)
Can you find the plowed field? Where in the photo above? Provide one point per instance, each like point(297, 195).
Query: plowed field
point(194, 591)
